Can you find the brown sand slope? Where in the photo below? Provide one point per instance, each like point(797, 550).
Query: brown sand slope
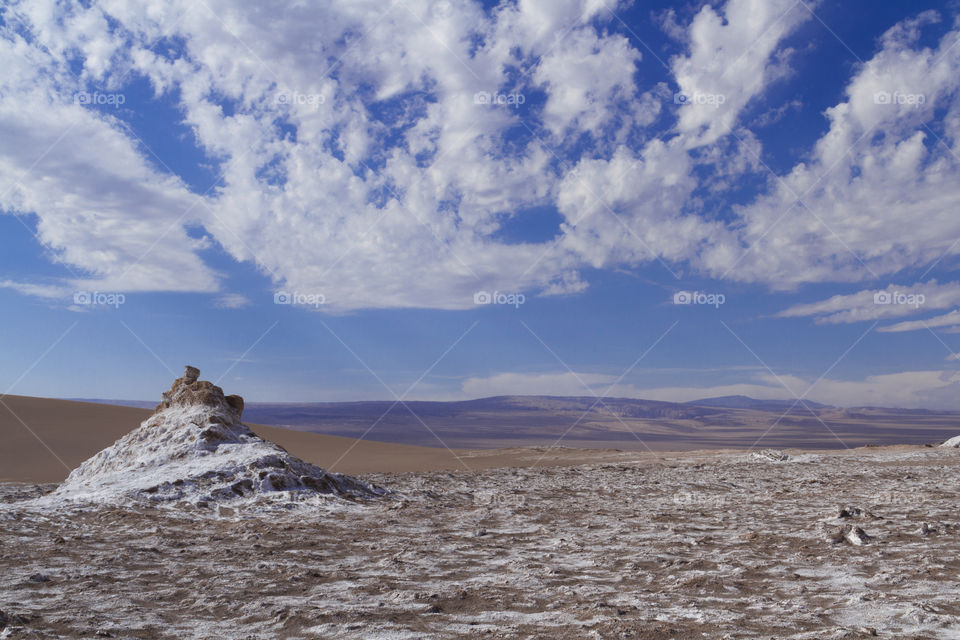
point(42, 440)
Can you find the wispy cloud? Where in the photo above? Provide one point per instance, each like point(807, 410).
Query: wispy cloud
point(877, 304)
point(232, 301)
point(947, 320)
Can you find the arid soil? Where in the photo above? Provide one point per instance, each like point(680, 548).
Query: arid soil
point(714, 545)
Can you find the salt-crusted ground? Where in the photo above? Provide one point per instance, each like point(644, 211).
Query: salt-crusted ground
point(686, 546)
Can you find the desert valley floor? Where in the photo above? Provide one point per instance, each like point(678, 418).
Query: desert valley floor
point(849, 544)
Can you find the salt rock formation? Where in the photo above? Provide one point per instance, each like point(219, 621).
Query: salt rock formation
point(855, 535)
point(195, 449)
point(953, 442)
point(848, 533)
point(771, 455)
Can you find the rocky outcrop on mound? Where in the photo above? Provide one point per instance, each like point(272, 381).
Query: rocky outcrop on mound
point(195, 449)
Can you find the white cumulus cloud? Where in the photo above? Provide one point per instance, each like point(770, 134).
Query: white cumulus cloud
point(373, 152)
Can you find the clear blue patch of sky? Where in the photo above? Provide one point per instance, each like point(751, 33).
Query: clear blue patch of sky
point(531, 225)
point(157, 126)
point(22, 255)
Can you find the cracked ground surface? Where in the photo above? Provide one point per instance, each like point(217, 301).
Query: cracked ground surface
point(706, 545)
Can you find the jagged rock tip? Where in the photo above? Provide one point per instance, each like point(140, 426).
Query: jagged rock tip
point(190, 390)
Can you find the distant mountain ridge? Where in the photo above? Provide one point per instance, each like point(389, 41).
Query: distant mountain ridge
point(586, 421)
point(746, 402)
point(629, 406)
point(632, 407)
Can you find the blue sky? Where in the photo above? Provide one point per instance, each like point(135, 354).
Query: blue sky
point(659, 200)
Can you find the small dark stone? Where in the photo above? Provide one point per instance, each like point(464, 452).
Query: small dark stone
point(322, 485)
point(11, 619)
point(282, 482)
point(242, 487)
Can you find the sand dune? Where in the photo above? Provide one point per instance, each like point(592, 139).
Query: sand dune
point(44, 439)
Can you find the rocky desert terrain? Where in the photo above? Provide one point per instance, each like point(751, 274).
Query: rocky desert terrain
point(850, 545)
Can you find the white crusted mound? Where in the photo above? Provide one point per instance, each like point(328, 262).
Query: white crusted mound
point(195, 449)
point(952, 442)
